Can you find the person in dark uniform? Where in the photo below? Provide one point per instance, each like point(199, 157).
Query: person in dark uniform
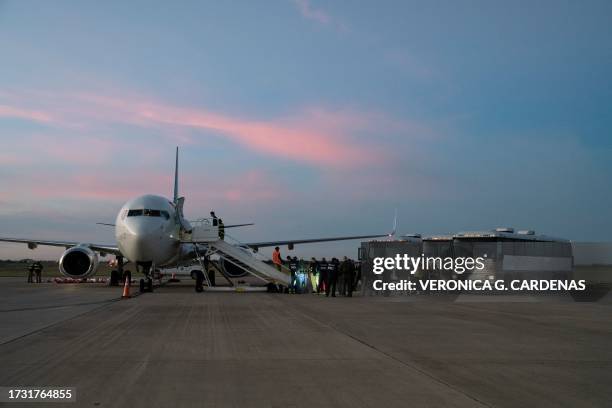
point(288, 266)
point(221, 229)
point(323, 276)
point(332, 277)
point(31, 273)
point(340, 281)
point(357, 274)
point(342, 272)
point(348, 270)
point(38, 271)
point(214, 218)
point(293, 267)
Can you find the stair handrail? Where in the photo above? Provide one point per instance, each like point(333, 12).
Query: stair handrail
point(250, 251)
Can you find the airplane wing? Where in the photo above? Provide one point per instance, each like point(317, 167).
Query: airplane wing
point(291, 243)
point(33, 243)
point(238, 225)
point(310, 241)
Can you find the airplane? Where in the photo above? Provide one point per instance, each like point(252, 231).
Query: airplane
point(149, 232)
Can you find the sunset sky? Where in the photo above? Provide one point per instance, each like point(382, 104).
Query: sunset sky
point(309, 118)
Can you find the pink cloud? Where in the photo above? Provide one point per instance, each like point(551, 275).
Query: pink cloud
point(33, 115)
point(10, 159)
point(318, 136)
point(252, 186)
point(320, 16)
point(309, 12)
point(89, 184)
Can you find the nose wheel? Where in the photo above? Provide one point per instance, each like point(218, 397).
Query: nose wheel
point(146, 284)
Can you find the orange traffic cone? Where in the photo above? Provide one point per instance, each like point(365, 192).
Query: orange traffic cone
point(126, 289)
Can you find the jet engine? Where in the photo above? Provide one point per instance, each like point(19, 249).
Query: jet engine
point(232, 270)
point(78, 262)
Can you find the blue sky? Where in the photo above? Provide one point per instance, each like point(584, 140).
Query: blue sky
point(309, 118)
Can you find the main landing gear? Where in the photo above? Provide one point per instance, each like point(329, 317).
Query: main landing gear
point(199, 278)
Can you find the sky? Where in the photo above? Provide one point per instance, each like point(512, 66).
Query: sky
point(308, 118)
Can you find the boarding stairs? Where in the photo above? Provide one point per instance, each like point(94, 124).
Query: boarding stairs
point(233, 251)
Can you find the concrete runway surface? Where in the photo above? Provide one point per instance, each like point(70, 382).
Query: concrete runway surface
point(178, 348)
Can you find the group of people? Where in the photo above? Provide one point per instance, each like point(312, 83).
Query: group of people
point(322, 276)
point(335, 274)
point(35, 272)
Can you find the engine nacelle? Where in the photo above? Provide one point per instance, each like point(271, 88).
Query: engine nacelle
point(78, 262)
point(232, 270)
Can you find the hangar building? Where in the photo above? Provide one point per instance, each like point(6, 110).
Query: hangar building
point(507, 255)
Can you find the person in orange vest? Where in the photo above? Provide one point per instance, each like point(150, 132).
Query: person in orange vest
point(276, 259)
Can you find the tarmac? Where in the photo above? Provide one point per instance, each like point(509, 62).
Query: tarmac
point(175, 347)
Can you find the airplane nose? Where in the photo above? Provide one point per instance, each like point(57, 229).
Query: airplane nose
point(141, 240)
point(142, 227)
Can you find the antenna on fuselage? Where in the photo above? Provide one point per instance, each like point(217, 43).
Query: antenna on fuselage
point(176, 177)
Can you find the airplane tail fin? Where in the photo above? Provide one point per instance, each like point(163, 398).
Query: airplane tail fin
point(392, 234)
point(176, 196)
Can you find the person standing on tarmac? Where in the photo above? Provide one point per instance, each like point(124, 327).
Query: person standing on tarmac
point(314, 274)
point(332, 277)
point(357, 275)
point(214, 218)
point(323, 276)
point(293, 267)
point(38, 271)
point(340, 281)
point(288, 266)
point(277, 260)
point(31, 273)
point(348, 270)
point(342, 273)
point(302, 278)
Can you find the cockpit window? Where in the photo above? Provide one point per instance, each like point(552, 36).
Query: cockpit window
point(147, 212)
point(151, 213)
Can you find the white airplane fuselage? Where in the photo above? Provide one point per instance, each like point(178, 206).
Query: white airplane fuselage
point(147, 230)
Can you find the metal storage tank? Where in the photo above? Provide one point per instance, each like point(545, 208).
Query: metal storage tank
point(408, 244)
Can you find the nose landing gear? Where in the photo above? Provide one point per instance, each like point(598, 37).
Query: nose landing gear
point(146, 284)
